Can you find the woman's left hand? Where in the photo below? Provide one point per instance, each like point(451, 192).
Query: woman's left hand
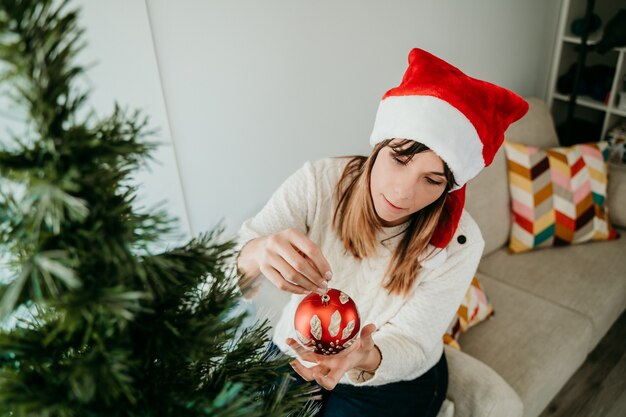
point(361, 354)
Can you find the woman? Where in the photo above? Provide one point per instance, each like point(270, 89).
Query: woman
point(390, 231)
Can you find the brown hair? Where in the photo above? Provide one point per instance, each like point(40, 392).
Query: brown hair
point(356, 222)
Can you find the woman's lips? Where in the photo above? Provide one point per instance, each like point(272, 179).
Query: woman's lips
point(392, 205)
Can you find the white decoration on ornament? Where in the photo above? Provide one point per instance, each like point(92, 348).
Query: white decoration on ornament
point(302, 339)
point(335, 323)
point(343, 298)
point(316, 327)
point(348, 330)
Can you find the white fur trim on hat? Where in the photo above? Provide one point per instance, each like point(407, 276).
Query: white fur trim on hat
point(436, 124)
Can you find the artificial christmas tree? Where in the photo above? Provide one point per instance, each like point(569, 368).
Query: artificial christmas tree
point(112, 326)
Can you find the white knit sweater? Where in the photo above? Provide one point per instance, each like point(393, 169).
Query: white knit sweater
point(409, 330)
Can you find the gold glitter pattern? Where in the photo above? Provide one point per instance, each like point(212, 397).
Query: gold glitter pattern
point(335, 322)
point(302, 339)
point(343, 298)
point(316, 327)
point(348, 330)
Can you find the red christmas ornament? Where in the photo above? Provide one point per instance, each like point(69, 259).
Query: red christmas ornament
point(329, 323)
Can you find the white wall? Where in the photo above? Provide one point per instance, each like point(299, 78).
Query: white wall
point(254, 89)
point(123, 69)
point(120, 66)
point(245, 91)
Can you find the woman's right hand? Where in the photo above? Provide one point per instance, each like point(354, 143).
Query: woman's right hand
point(290, 260)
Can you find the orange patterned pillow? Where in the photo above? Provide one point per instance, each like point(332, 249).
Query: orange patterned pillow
point(558, 195)
point(474, 309)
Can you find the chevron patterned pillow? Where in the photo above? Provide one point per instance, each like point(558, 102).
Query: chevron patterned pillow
point(558, 195)
point(474, 309)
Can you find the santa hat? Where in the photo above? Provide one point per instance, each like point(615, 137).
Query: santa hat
point(460, 118)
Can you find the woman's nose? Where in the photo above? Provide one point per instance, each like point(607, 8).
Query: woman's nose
point(402, 192)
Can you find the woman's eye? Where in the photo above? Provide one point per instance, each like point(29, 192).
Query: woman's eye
point(433, 182)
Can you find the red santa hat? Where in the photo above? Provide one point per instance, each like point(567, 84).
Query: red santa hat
point(460, 118)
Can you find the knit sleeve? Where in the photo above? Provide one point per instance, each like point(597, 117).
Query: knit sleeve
point(292, 205)
point(416, 331)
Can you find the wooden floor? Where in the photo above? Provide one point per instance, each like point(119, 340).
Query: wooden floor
point(598, 388)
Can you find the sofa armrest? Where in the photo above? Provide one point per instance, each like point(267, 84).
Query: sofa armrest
point(616, 194)
point(477, 390)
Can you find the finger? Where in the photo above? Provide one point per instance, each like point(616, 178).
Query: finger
point(366, 333)
point(332, 378)
point(306, 354)
point(327, 381)
point(303, 371)
point(303, 268)
point(310, 249)
point(291, 275)
point(277, 279)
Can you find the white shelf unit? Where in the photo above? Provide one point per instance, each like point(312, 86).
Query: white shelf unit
point(605, 114)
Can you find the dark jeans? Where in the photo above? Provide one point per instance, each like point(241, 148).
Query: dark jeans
point(420, 397)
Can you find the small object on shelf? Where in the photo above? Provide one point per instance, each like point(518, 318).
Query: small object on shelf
point(578, 25)
point(617, 143)
point(595, 81)
point(328, 323)
point(614, 34)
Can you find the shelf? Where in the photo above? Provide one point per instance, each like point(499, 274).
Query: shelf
point(590, 41)
point(576, 39)
point(584, 101)
point(619, 112)
point(592, 118)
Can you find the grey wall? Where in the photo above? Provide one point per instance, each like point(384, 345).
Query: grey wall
point(245, 91)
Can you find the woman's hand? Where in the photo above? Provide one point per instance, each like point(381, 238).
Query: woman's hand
point(363, 354)
point(289, 259)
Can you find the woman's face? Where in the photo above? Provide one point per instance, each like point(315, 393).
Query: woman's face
point(399, 190)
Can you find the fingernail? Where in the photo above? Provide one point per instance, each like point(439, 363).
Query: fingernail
point(320, 291)
point(328, 275)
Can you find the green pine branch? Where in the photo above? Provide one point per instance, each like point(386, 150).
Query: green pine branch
point(114, 327)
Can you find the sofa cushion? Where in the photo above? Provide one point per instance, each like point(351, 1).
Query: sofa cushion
point(536, 128)
point(558, 195)
point(487, 200)
point(477, 390)
point(535, 345)
point(588, 278)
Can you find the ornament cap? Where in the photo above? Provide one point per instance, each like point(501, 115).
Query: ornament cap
point(325, 299)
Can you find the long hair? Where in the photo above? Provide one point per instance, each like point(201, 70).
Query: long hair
point(356, 223)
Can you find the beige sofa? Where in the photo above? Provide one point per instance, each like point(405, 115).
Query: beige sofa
point(552, 306)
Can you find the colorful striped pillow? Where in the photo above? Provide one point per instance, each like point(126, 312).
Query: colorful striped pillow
point(474, 309)
point(558, 195)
